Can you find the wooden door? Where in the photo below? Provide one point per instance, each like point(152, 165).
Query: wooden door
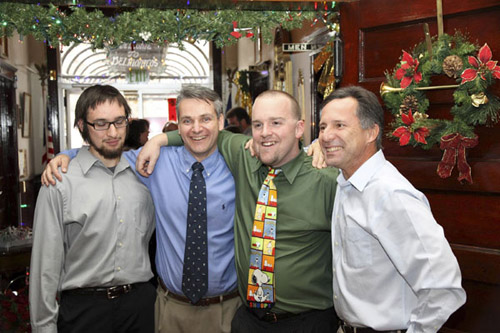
point(375, 32)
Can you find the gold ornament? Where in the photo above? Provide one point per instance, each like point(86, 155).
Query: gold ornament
point(452, 66)
point(330, 87)
point(418, 116)
point(478, 99)
point(323, 78)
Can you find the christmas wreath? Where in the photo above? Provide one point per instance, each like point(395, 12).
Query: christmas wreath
point(404, 95)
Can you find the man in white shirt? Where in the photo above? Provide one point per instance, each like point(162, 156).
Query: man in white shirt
point(393, 268)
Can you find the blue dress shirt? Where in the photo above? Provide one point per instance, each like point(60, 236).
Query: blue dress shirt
point(169, 187)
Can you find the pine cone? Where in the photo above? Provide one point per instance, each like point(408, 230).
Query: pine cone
point(409, 102)
point(452, 66)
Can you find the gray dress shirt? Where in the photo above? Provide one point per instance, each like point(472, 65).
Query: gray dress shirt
point(90, 230)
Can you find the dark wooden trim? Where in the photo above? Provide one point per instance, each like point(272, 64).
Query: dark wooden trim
point(217, 66)
point(52, 98)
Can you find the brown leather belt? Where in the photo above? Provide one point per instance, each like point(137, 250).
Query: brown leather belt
point(346, 328)
point(202, 302)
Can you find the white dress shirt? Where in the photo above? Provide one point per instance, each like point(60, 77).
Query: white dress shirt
point(393, 268)
point(90, 230)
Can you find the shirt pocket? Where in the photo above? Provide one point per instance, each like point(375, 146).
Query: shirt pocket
point(358, 250)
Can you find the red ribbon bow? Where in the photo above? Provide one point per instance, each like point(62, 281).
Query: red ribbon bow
point(454, 146)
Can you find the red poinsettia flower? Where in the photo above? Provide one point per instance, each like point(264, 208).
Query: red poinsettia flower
point(404, 132)
point(408, 71)
point(481, 65)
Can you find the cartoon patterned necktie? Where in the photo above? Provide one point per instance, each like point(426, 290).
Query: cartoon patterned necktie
point(195, 272)
point(260, 293)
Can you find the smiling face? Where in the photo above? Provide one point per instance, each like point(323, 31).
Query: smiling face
point(344, 142)
point(106, 145)
point(276, 130)
point(199, 127)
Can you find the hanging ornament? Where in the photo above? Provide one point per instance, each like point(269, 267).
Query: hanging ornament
point(326, 52)
point(235, 33)
point(323, 79)
point(330, 85)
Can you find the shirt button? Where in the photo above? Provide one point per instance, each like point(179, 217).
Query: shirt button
point(118, 268)
point(336, 244)
point(120, 244)
point(119, 197)
point(121, 220)
point(335, 296)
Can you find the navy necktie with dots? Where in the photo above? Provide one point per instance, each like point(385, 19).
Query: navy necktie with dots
point(195, 273)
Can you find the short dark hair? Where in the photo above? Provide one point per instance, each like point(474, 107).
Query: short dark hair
point(135, 128)
point(170, 126)
point(369, 111)
point(91, 98)
point(233, 129)
point(201, 93)
point(240, 113)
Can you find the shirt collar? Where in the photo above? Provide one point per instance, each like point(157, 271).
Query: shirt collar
point(210, 164)
point(87, 161)
point(365, 172)
point(290, 170)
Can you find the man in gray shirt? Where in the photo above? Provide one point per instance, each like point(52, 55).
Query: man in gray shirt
point(90, 264)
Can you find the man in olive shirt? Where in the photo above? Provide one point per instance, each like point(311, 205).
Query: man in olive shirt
point(303, 258)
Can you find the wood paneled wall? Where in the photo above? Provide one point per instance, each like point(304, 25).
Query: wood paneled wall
point(375, 32)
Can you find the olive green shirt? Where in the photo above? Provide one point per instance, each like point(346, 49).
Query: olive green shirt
point(303, 257)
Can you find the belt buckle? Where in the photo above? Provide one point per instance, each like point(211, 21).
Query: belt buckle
point(271, 317)
point(202, 302)
point(114, 292)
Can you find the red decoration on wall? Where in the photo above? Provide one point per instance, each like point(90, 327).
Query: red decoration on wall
point(172, 113)
point(454, 146)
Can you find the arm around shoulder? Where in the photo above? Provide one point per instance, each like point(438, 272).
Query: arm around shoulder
point(146, 160)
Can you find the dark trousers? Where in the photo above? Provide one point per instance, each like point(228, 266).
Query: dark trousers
point(318, 321)
point(131, 312)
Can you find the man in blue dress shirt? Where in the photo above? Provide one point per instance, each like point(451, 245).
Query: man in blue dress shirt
point(200, 119)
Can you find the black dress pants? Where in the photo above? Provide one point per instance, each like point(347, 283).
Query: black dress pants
point(318, 321)
point(131, 312)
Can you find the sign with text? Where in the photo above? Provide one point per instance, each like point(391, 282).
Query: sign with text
point(148, 57)
point(300, 47)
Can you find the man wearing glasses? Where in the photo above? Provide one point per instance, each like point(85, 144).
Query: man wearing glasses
point(90, 265)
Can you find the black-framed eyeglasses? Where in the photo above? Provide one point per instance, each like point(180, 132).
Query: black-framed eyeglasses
point(102, 125)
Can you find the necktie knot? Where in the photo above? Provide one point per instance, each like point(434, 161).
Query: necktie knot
point(197, 166)
point(273, 172)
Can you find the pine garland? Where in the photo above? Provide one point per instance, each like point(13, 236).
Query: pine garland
point(474, 104)
point(78, 24)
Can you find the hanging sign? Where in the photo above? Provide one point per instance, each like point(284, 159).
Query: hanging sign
point(300, 47)
point(126, 58)
point(137, 76)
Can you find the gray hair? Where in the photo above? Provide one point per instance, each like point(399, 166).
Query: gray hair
point(201, 93)
point(369, 111)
